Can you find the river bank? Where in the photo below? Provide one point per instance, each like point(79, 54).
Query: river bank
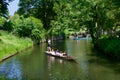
point(109, 47)
point(11, 45)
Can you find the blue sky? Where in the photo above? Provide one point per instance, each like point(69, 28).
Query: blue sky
point(13, 6)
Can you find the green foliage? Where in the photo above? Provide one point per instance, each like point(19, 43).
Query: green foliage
point(22, 26)
point(2, 21)
point(8, 26)
point(36, 23)
point(68, 31)
point(4, 7)
point(118, 33)
point(5, 24)
point(28, 27)
point(96, 16)
point(41, 9)
point(36, 35)
point(109, 46)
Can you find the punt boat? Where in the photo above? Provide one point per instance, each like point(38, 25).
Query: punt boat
point(69, 58)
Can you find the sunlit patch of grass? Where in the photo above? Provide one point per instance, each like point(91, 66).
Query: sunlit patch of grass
point(10, 44)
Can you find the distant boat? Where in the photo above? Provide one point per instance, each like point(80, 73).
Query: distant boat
point(69, 58)
point(80, 38)
point(76, 38)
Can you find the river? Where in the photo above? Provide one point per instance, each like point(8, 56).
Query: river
point(33, 64)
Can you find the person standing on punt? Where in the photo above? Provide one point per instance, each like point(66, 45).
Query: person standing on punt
point(49, 45)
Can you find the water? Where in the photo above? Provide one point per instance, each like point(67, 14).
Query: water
point(33, 64)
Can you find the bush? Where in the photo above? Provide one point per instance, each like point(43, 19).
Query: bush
point(26, 27)
point(109, 46)
point(118, 33)
point(36, 35)
point(2, 21)
point(8, 26)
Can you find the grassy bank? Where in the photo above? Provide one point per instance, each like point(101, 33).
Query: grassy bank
point(10, 44)
point(109, 46)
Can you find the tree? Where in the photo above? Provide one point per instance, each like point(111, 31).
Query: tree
point(4, 8)
point(28, 27)
point(41, 9)
point(99, 17)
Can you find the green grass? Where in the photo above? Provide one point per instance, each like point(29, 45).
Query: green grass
point(10, 44)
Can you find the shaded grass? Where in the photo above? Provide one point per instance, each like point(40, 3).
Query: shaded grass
point(10, 44)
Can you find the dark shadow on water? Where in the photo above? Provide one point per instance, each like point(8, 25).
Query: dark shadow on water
point(53, 59)
point(104, 60)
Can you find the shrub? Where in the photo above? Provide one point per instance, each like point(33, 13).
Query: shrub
point(2, 21)
point(36, 35)
point(27, 27)
point(109, 46)
point(8, 26)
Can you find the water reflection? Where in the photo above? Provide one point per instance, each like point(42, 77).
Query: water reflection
point(34, 64)
point(52, 59)
point(60, 69)
point(12, 69)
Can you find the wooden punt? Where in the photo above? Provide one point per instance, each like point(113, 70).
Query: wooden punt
point(69, 58)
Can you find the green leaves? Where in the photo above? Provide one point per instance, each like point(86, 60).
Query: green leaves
point(41, 9)
point(2, 21)
point(95, 16)
point(28, 27)
point(36, 35)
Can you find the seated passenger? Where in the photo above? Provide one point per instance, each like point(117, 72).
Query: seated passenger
point(64, 53)
point(57, 52)
point(49, 47)
point(61, 53)
point(52, 52)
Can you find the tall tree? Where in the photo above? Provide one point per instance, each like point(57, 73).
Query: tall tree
point(4, 7)
point(97, 16)
point(42, 9)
